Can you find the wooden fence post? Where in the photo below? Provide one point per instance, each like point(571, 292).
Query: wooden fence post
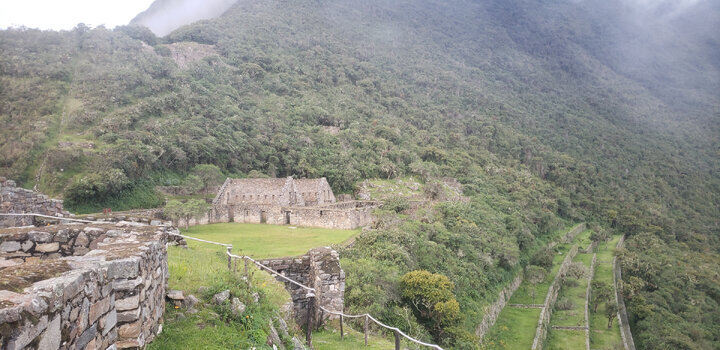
point(342, 335)
point(229, 249)
point(310, 312)
point(397, 339)
point(366, 329)
point(246, 274)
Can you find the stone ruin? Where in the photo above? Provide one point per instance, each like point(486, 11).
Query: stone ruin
point(319, 269)
point(72, 286)
point(18, 200)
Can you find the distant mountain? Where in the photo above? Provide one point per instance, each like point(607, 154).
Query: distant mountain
point(598, 111)
point(164, 16)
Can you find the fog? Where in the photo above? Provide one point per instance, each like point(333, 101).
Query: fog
point(165, 16)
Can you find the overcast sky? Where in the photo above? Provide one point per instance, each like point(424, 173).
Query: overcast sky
point(66, 14)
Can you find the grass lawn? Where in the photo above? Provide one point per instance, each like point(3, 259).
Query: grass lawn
point(565, 340)
point(203, 264)
point(514, 329)
point(268, 241)
point(576, 294)
point(329, 339)
point(600, 336)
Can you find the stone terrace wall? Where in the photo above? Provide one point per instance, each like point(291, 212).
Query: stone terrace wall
point(109, 295)
point(546, 312)
point(493, 311)
point(319, 269)
point(14, 199)
point(574, 232)
point(623, 321)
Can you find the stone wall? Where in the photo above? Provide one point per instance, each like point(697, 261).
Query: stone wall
point(319, 269)
point(623, 321)
point(82, 287)
point(18, 200)
point(546, 312)
point(493, 311)
point(574, 232)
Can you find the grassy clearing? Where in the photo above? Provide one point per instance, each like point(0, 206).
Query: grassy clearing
point(265, 241)
point(205, 265)
point(574, 292)
point(514, 329)
point(329, 339)
point(600, 336)
point(565, 340)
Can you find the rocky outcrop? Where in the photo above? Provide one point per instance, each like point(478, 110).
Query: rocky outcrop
point(82, 287)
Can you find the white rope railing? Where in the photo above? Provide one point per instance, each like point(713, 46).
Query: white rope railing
point(394, 329)
point(312, 290)
point(53, 217)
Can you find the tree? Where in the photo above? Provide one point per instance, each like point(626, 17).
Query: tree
point(192, 184)
point(535, 274)
point(209, 174)
point(599, 234)
point(576, 270)
point(543, 258)
point(194, 209)
point(601, 292)
point(174, 210)
point(610, 312)
point(431, 297)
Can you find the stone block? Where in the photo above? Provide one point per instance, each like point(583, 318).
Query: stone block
point(27, 333)
point(124, 268)
point(40, 237)
point(130, 330)
point(108, 322)
point(128, 303)
point(9, 246)
point(127, 284)
point(97, 309)
point(27, 245)
point(128, 316)
point(51, 338)
point(82, 240)
point(86, 337)
point(47, 247)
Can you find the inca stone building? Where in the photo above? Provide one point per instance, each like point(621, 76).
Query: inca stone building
point(289, 201)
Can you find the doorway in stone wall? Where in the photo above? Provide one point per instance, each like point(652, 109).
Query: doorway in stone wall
point(263, 217)
point(287, 218)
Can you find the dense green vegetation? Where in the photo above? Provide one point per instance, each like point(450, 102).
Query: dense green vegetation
point(546, 112)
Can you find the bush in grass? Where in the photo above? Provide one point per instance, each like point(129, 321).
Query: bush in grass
point(564, 304)
point(397, 204)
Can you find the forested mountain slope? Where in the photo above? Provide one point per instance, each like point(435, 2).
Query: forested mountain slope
point(543, 109)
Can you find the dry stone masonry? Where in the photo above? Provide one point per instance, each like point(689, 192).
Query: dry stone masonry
point(18, 200)
point(319, 269)
point(493, 311)
point(289, 201)
point(82, 286)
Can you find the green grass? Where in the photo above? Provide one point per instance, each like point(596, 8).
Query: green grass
point(329, 339)
point(576, 315)
point(600, 336)
point(514, 329)
point(565, 340)
point(269, 241)
point(583, 239)
point(202, 264)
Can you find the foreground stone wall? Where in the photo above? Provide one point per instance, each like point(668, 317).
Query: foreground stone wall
point(319, 269)
point(106, 292)
point(18, 200)
point(493, 311)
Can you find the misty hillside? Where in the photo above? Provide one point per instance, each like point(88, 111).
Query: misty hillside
point(548, 112)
